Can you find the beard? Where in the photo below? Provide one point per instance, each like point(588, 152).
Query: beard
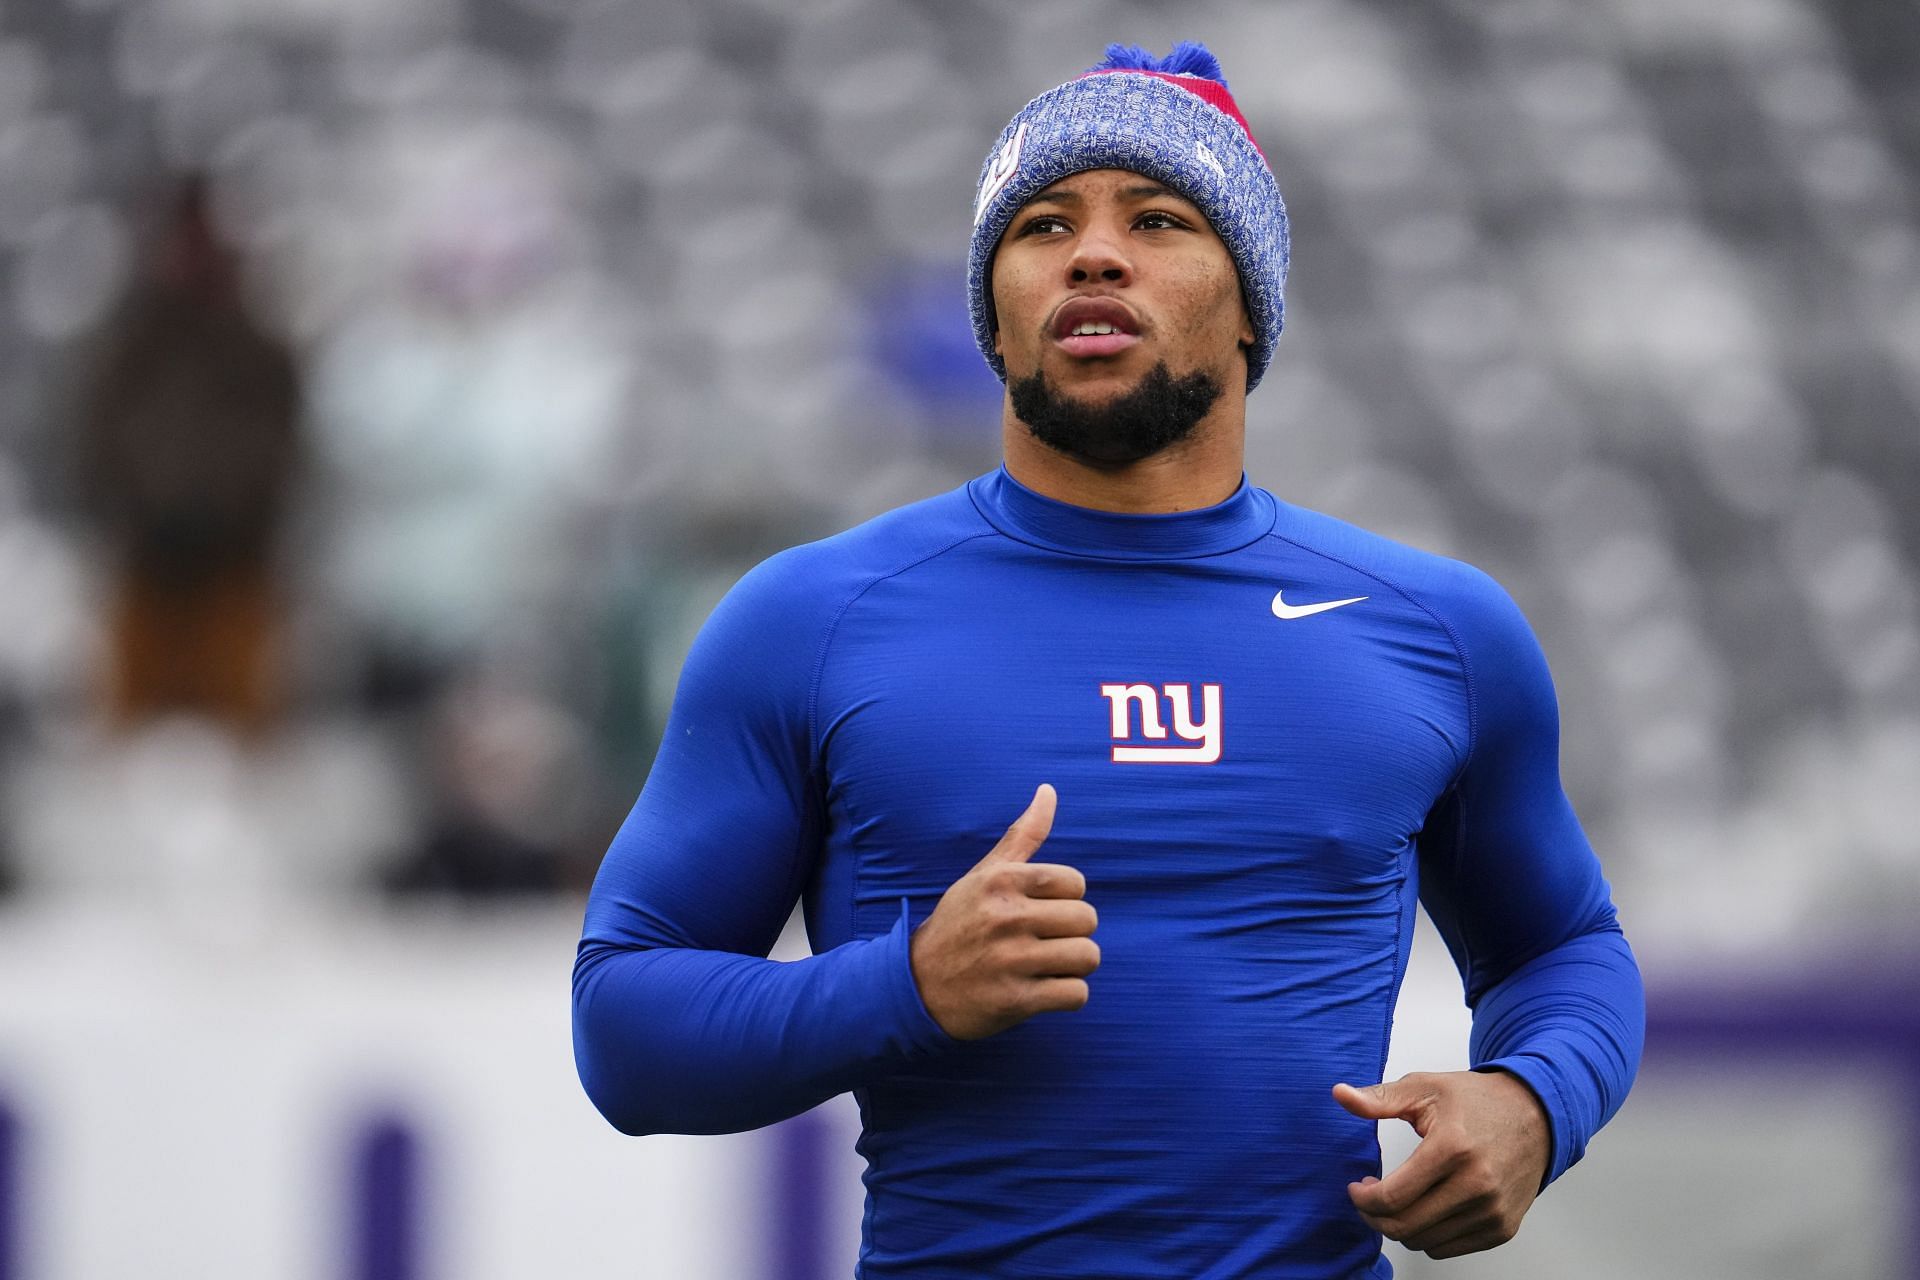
point(1160, 411)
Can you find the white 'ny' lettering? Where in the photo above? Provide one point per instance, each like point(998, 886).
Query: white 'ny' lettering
point(1000, 172)
point(1204, 731)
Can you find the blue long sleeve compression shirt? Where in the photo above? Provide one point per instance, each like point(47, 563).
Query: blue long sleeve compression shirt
point(1270, 733)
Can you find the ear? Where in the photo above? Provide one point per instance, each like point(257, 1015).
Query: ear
point(996, 343)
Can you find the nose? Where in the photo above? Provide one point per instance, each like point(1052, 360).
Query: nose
point(1099, 254)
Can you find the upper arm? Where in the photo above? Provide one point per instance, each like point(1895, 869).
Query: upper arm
point(1506, 872)
point(720, 842)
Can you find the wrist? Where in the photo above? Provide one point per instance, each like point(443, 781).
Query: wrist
point(912, 998)
point(1531, 1115)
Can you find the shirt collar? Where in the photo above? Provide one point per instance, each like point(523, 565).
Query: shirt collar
point(1031, 517)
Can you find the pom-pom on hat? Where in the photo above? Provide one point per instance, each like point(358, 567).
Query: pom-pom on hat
point(1170, 119)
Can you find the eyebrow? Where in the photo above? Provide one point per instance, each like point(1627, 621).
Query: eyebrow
point(1138, 191)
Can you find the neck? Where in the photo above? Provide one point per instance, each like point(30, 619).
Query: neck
point(1199, 471)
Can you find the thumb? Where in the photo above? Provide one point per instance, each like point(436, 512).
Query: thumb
point(1382, 1101)
point(1029, 831)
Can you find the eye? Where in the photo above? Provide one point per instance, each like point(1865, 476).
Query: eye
point(1043, 224)
point(1158, 220)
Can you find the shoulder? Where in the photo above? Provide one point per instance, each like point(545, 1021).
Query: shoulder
point(1468, 603)
point(1509, 690)
point(758, 656)
point(803, 589)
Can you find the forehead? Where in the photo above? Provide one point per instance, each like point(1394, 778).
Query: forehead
point(1106, 184)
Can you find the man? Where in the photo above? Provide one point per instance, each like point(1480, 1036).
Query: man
point(1245, 734)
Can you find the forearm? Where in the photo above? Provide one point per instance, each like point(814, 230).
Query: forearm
point(678, 1040)
point(1570, 1023)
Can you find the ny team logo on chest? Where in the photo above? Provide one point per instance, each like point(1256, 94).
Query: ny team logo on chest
point(1201, 732)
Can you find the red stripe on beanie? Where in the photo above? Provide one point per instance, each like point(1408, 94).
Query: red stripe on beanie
point(1211, 92)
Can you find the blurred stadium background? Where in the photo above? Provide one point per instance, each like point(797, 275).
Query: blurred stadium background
point(388, 390)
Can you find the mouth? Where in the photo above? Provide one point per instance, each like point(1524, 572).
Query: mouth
point(1089, 328)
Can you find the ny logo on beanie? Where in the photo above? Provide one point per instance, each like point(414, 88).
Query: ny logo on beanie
point(1000, 172)
point(1204, 154)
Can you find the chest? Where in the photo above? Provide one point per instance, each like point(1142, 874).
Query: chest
point(1191, 731)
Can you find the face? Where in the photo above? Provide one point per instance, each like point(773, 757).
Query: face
point(1106, 276)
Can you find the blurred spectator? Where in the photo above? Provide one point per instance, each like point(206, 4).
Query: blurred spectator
point(189, 446)
point(463, 409)
point(512, 784)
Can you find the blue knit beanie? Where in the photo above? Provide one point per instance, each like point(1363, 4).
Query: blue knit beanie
point(1170, 119)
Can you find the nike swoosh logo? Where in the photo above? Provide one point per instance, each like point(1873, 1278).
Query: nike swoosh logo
point(1281, 609)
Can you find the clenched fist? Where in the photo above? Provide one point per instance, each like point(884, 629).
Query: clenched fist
point(1009, 939)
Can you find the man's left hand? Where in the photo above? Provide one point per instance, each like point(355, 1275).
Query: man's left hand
point(1484, 1147)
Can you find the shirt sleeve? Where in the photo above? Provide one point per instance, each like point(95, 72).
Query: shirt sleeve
point(1507, 875)
point(680, 1023)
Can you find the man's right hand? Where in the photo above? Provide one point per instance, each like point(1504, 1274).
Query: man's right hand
point(1009, 939)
